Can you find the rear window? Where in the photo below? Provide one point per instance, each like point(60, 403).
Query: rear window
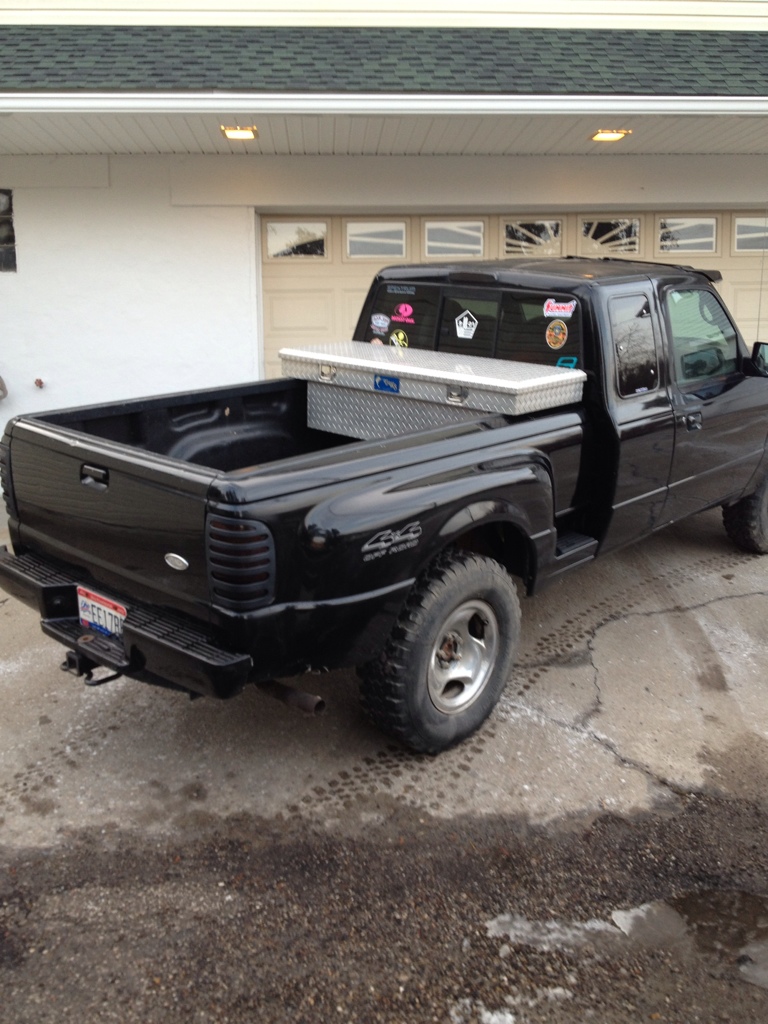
point(540, 328)
point(404, 315)
point(530, 327)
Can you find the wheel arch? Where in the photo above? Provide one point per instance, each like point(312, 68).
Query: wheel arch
point(497, 530)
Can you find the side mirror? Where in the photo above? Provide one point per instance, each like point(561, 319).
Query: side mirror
point(757, 365)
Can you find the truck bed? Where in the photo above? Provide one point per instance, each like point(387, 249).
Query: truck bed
point(115, 489)
point(224, 429)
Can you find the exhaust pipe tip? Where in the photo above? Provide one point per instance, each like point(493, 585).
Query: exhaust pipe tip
point(309, 703)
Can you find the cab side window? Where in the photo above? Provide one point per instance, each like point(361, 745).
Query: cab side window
point(703, 339)
point(634, 342)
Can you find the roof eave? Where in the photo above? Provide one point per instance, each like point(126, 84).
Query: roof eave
point(385, 104)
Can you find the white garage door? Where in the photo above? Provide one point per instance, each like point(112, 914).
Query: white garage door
point(317, 269)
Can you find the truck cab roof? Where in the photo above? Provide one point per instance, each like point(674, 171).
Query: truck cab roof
point(567, 271)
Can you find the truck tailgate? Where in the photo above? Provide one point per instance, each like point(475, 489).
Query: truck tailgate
point(113, 511)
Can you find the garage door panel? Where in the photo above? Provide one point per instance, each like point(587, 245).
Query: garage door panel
point(300, 312)
point(351, 304)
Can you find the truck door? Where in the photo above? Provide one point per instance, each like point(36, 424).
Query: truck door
point(720, 426)
point(641, 448)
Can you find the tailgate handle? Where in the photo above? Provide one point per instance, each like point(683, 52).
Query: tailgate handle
point(94, 476)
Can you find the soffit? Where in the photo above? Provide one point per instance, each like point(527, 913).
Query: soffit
point(55, 133)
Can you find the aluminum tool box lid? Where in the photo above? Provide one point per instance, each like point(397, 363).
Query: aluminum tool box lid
point(469, 382)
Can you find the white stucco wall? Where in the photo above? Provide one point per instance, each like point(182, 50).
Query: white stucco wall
point(118, 293)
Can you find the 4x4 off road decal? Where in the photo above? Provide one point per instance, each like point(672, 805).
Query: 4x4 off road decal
point(390, 542)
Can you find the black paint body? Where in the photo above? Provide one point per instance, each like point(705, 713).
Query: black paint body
point(301, 545)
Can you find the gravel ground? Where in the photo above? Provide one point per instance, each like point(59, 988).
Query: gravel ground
point(280, 920)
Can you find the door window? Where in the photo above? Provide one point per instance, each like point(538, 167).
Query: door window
point(704, 341)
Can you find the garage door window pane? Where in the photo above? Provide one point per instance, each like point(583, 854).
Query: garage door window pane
point(687, 234)
point(751, 234)
point(533, 238)
point(376, 238)
point(296, 239)
point(610, 237)
point(453, 238)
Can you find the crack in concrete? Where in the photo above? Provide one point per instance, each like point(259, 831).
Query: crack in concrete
point(581, 726)
point(608, 745)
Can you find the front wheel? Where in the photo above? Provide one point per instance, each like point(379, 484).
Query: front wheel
point(448, 658)
point(746, 521)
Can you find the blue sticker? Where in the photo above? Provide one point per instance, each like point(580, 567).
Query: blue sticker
point(571, 362)
point(390, 384)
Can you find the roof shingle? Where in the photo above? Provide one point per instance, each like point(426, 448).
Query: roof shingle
point(95, 58)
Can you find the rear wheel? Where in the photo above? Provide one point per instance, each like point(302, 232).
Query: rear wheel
point(448, 658)
point(746, 522)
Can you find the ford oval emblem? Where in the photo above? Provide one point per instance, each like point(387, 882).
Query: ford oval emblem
point(176, 562)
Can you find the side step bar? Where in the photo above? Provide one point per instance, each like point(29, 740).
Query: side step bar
point(573, 549)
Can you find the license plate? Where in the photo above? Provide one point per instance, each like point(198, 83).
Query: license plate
point(100, 613)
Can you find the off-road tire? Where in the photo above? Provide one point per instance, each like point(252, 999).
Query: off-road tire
point(746, 521)
point(449, 655)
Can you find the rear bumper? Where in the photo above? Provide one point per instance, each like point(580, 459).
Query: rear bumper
point(156, 643)
point(162, 645)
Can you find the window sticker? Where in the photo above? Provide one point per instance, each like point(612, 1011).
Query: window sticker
point(557, 334)
point(403, 314)
point(466, 325)
point(554, 308)
point(570, 362)
point(401, 289)
point(379, 323)
point(399, 338)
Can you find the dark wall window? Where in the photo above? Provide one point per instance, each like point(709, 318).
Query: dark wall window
point(7, 236)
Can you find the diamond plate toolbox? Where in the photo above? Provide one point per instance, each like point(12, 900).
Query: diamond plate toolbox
point(372, 391)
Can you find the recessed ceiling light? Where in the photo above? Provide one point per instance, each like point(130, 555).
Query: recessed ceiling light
point(611, 134)
point(242, 133)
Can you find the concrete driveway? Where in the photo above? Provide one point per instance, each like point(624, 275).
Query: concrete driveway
point(596, 853)
point(639, 677)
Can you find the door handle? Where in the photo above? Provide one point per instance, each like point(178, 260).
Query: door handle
point(94, 476)
point(694, 421)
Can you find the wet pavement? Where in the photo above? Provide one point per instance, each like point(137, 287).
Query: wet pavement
point(597, 852)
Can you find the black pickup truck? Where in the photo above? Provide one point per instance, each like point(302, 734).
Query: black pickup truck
point(371, 508)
